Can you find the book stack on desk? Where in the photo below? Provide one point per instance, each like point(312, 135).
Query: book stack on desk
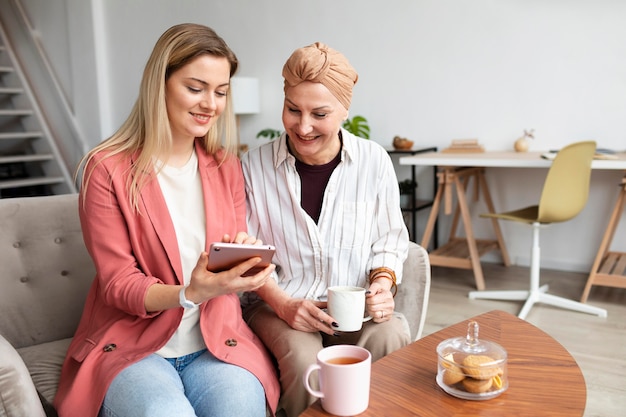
point(464, 146)
point(601, 153)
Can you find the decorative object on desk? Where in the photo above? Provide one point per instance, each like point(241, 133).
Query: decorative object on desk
point(407, 190)
point(470, 368)
point(522, 144)
point(269, 133)
point(402, 143)
point(358, 126)
point(464, 146)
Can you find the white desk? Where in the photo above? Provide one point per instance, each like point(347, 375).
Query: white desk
point(500, 160)
point(456, 169)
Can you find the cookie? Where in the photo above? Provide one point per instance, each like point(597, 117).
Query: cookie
point(451, 377)
point(477, 386)
point(480, 367)
point(453, 373)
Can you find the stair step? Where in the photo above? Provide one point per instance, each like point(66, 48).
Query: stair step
point(21, 125)
point(29, 182)
point(20, 135)
point(11, 90)
point(16, 112)
point(26, 158)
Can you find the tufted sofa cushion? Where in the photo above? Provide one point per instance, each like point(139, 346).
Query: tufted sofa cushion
point(44, 363)
point(46, 270)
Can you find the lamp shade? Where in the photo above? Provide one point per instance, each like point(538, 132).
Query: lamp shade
point(245, 95)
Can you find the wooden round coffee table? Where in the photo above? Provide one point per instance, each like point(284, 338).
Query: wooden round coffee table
point(544, 379)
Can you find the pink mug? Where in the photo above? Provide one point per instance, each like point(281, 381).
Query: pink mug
point(344, 379)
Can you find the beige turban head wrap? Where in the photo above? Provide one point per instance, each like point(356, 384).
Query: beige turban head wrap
point(319, 63)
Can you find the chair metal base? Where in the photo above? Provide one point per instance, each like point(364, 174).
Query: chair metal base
point(537, 294)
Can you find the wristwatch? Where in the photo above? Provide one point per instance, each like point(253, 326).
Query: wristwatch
point(184, 302)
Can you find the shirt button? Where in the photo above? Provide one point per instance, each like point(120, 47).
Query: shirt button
point(110, 347)
point(231, 342)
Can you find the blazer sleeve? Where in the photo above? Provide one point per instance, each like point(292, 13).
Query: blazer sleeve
point(109, 227)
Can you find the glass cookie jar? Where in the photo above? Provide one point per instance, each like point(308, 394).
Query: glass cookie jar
point(472, 369)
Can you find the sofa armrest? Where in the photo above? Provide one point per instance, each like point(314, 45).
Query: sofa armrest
point(18, 396)
point(414, 291)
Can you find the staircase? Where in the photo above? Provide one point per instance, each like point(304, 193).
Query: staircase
point(30, 163)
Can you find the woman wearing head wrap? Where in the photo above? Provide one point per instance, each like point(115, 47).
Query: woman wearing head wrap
point(329, 202)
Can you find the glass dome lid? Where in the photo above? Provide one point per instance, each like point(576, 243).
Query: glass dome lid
point(471, 368)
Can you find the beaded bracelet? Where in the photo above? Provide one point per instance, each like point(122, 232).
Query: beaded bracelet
point(387, 273)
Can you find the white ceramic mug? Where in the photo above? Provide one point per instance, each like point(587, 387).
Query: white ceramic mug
point(344, 379)
point(346, 305)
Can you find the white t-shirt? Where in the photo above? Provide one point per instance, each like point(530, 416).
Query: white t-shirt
point(182, 190)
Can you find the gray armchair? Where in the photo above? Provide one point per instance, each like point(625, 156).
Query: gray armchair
point(413, 292)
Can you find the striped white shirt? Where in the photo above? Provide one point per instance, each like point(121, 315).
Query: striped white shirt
point(360, 226)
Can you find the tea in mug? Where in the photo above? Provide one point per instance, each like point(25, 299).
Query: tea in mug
point(344, 379)
point(343, 360)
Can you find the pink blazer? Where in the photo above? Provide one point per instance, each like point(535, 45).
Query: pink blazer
point(134, 251)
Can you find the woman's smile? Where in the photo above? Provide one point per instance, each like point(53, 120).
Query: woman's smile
point(201, 118)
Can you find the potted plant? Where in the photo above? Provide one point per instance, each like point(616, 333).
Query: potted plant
point(269, 133)
point(407, 190)
point(358, 126)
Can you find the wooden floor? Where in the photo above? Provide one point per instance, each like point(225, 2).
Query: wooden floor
point(597, 344)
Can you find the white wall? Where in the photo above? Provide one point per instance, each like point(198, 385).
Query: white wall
point(430, 70)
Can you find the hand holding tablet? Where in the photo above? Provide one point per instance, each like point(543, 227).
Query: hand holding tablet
point(224, 256)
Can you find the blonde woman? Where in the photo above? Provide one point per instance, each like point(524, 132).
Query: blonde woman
point(160, 335)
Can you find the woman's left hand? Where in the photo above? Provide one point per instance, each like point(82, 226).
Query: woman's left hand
point(379, 302)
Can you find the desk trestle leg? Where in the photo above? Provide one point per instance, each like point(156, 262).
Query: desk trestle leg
point(462, 252)
point(609, 268)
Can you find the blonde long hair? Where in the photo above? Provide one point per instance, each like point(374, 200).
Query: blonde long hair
point(146, 132)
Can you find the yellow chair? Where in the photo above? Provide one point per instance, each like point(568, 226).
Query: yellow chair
point(564, 195)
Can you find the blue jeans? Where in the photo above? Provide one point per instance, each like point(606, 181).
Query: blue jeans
point(195, 385)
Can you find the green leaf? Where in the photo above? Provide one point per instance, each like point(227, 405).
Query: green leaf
point(358, 126)
point(269, 133)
